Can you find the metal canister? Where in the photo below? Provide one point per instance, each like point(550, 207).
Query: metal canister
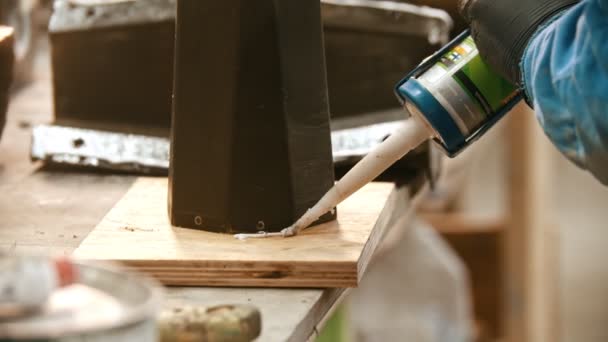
point(103, 304)
point(457, 94)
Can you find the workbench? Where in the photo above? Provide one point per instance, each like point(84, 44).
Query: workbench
point(49, 210)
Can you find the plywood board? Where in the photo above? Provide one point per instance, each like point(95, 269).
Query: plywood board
point(137, 233)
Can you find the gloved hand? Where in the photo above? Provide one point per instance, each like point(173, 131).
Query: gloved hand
point(564, 67)
point(565, 77)
point(502, 28)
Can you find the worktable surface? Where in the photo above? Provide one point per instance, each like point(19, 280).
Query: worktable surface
point(44, 210)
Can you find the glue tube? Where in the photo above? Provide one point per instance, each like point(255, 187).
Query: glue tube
point(457, 95)
point(408, 136)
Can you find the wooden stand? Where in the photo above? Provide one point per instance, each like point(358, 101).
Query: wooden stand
point(48, 211)
point(335, 254)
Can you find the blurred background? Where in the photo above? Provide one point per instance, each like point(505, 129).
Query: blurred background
point(514, 233)
point(577, 210)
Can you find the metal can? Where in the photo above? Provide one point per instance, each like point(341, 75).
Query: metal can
point(103, 304)
point(457, 94)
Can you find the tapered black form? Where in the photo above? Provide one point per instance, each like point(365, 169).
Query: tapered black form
point(251, 145)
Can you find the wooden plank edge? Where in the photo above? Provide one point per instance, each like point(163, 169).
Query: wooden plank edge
point(252, 279)
point(310, 325)
point(230, 265)
point(260, 283)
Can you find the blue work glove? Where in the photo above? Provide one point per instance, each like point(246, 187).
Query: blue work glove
point(565, 76)
point(502, 29)
point(557, 51)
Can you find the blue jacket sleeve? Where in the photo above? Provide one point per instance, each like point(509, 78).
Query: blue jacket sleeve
point(565, 75)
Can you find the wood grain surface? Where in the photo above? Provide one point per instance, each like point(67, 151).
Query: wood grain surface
point(137, 232)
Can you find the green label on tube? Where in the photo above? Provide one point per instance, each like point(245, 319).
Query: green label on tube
point(466, 87)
